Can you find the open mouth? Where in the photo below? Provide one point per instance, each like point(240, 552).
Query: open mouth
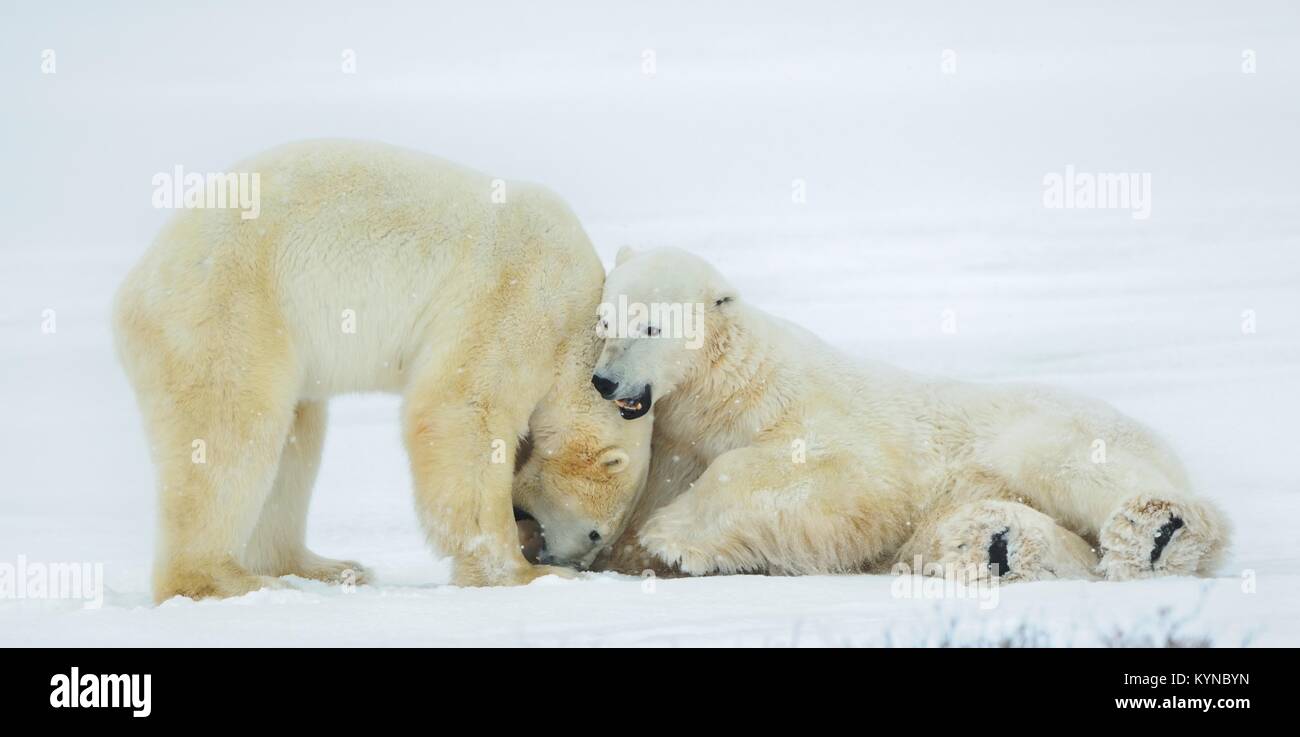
point(634, 407)
point(532, 539)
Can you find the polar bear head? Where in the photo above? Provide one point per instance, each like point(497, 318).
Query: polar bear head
point(664, 314)
point(582, 468)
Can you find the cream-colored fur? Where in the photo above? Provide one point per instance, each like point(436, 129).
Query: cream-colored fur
point(773, 452)
point(370, 268)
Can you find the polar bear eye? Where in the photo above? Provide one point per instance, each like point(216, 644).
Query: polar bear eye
point(651, 330)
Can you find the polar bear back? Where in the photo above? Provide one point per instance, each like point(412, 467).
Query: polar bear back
point(373, 258)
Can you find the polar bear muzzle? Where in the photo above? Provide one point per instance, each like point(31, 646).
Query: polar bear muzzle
point(629, 408)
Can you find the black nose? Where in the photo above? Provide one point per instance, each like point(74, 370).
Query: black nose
point(604, 386)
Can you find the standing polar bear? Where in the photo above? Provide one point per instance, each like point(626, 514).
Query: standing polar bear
point(775, 453)
point(371, 268)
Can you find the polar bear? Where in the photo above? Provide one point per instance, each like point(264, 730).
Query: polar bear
point(775, 453)
point(371, 268)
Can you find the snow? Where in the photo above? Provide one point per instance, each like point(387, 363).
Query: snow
point(924, 202)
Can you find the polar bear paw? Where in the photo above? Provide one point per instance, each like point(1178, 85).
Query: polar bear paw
point(693, 560)
point(673, 537)
point(1150, 537)
point(986, 545)
point(346, 572)
point(1011, 542)
point(220, 580)
point(534, 572)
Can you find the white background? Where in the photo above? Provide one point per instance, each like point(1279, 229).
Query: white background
point(924, 194)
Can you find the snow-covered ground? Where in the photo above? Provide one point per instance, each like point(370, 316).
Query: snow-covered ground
point(675, 124)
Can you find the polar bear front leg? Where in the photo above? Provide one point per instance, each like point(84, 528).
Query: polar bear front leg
point(673, 471)
point(1151, 536)
point(757, 509)
point(985, 539)
point(462, 452)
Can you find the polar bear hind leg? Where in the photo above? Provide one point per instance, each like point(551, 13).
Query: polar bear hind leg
point(1110, 479)
point(217, 446)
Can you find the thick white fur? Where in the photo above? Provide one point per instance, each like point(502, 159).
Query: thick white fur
point(774, 452)
point(477, 311)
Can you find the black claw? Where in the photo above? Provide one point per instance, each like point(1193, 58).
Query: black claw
point(998, 553)
point(1163, 536)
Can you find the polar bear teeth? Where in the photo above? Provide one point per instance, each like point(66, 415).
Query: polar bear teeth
point(628, 405)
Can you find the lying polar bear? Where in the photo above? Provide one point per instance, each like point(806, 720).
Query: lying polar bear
point(372, 268)
point(775, 453)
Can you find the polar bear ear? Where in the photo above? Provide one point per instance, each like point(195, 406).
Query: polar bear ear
point(614, 460)
point(624, 253)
